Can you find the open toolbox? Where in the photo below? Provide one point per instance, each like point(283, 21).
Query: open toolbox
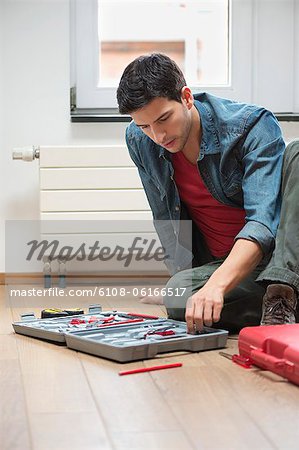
point(120, 336)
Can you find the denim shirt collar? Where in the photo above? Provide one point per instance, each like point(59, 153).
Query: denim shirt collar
point(209, 142)
point(209, 138)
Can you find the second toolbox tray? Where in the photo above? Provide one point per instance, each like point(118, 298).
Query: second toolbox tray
point(144, 340)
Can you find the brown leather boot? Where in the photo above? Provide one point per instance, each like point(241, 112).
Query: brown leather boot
point(279, 305)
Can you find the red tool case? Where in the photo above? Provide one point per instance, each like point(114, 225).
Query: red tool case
point(274, 348)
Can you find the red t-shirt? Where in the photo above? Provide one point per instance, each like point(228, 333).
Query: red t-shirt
point(218, 223)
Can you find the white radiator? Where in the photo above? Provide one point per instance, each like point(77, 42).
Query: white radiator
point(90, 182)
point(88, 194)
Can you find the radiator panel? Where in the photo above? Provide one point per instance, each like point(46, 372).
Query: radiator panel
point(89, 178)
point(93, 200)
point(85, 156)
point(119, 216)
point(96, 226)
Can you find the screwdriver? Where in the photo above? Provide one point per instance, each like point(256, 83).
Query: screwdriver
point(238, 359)
point(149, 369)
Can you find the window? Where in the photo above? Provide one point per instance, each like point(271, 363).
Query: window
point(184, 30)
point(227, 47)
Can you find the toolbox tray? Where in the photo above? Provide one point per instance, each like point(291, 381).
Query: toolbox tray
point(111, 343)
point(54, 329)
point(274, 348)
point(119, 336)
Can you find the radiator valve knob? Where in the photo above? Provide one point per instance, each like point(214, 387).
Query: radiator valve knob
point(26, 153)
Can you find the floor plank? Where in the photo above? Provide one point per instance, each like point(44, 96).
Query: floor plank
point(68, 431)
point(125, 398)
point(58, 397)
point(14, 426)
point(13, 410)
point(5, 312)
point(173, 440)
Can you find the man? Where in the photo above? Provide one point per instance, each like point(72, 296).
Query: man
point(219, 163)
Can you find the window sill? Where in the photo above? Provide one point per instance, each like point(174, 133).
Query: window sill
point(112, 115)
point(287, 117)
point(98, 115)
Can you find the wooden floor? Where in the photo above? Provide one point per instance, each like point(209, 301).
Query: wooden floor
point(55, 398)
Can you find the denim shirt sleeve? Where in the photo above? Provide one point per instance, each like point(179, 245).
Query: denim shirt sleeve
point(150, 190)
point(262, 156)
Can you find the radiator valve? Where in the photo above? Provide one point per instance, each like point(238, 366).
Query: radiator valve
point(26, 153)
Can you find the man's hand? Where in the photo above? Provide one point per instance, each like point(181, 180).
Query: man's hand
point(204, 307)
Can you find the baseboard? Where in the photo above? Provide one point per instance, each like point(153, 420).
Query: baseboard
point(37, 278)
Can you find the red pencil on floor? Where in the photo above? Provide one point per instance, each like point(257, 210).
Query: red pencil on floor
point(148, 369)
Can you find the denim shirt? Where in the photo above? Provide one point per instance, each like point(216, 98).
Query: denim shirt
point(240, 162)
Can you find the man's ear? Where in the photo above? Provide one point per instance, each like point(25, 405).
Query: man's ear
point(187, 97)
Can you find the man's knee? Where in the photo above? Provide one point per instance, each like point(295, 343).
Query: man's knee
point(178, 289)
point(181, 279)
point(174, 282)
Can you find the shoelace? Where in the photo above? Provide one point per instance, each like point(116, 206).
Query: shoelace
point(281, 311)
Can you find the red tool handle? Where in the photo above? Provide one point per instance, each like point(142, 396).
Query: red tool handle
point(242, 361)
point(77, 321)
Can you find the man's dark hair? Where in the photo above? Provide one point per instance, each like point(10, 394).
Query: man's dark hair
point(148, 77)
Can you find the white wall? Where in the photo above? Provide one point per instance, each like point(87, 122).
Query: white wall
point(2, 192)
point(1, 90)
point(34, 109)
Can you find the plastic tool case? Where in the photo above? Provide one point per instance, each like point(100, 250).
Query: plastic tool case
point(274, 348)
point(121, 336)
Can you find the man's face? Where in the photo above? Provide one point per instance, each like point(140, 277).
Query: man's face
point(166, 122)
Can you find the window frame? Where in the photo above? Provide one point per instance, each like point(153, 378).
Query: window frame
point(246, 29)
